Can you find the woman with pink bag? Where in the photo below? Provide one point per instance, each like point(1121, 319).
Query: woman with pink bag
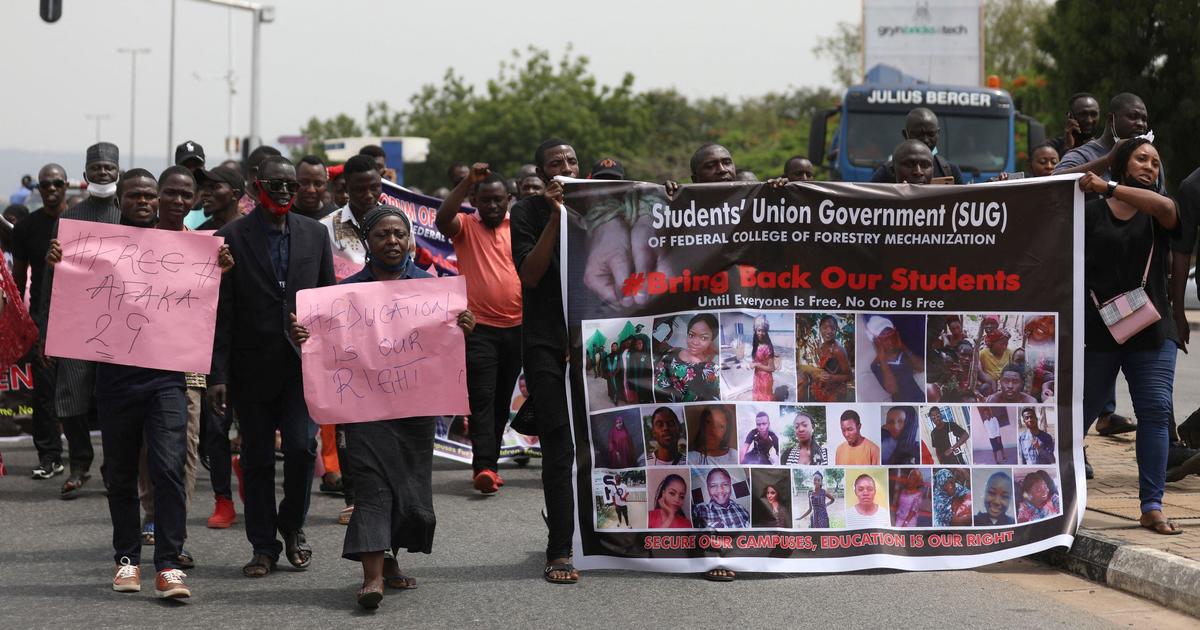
point(1127, 238)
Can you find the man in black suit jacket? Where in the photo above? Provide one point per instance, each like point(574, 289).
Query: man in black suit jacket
point(280, 253)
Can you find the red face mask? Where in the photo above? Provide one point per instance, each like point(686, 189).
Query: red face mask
point(269, 203)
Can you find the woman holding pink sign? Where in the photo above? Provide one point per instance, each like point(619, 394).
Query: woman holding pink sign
point(390, 461)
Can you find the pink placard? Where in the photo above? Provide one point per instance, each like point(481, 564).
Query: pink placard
point(134, 296)
point(382, 350)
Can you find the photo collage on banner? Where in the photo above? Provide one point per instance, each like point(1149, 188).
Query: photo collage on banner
point(799, 420)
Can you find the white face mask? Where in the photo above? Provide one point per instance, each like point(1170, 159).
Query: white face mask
point(103, 191)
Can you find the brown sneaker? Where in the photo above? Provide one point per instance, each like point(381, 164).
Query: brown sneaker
point(169, 584)
point(128, 578)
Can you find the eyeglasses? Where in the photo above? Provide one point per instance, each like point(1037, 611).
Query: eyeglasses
point(280, 185)
point(51, 183)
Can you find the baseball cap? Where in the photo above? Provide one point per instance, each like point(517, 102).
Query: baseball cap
point(223, 174)
point(607, 168)
point(187, 151)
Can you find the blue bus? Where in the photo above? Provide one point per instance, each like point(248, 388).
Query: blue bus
point(978, 129)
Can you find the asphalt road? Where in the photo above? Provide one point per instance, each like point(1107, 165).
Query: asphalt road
point(486, 572)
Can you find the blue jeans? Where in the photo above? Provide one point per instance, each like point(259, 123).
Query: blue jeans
point(1150, 375)
point(159, 417)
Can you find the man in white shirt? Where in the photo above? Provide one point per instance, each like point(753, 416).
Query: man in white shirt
point(620, 501)
point(365, 185)
point(992, 425)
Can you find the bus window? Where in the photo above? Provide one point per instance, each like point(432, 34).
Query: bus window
point(871, 136)
point(974, 143)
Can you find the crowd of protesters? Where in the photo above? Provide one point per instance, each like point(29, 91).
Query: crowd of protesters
point(158, 426)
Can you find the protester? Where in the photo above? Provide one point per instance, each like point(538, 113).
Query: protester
point(257, 368)
point(483, 244)
point(376, 153)
point(74, 379)
point(530, 186)
point(1129, 224)
point(21, 195)
point(190, 155)
point(314, 180)
point(607, 168)
point(744, 175)
point(337, 186)
point(921, 124)
point(1083, 112)
point(912, 163)
point(1042, 160)
point(364, 184)
point(535, 232)
point(390, 461)
point(252, 164)
point(799, 169)
point(221, 190)
point(30, 242)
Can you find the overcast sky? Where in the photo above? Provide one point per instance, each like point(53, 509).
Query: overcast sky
point(322, 57)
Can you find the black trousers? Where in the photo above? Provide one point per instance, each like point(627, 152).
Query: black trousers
point(160, 418)
point(545, 374)
point(258, 420)
point(216, 447)
point(493, 364)
point(79, 441)
point(47, 434)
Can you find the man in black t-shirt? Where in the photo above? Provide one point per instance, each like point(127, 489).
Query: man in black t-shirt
point(940, 437)
point(534, 225)
point(30, 240)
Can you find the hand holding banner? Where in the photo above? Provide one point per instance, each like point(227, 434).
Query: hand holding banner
point(134, 296)
point(382, 350)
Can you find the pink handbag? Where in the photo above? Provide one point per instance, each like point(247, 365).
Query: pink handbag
point(1131, 312)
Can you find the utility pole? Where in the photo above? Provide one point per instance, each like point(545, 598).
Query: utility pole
point(133, 54)
point(97, 118)
point(171, 93)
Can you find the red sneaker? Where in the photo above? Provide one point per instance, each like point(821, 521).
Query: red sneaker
point(169, 584)
point(223, 514)
point(487, 481)
point(128, 578)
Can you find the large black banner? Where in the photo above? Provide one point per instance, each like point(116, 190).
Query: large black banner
point(824, 376)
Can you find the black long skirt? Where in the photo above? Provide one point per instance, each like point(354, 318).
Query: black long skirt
point(390, 463)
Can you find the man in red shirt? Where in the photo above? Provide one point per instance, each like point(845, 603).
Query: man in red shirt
point(483, 245)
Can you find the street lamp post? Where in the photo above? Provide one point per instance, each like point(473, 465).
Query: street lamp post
point(97, 118)
point(133, 53)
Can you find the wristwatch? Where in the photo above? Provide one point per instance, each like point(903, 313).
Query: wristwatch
point(1112, 188)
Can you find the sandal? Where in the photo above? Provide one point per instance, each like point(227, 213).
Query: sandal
point(296, 546)
point(148, 534)
point(345, 514)
point(1164, 526)
point(1114, 424)
point(560, 567)
point(71, 487)
point(369, 598)
point(331, 483)
point(719, 575)
point(393, 578)
point(261, 565)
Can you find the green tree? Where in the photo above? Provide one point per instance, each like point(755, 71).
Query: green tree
point(1010, 36)
point(1148, 47)
point(845, 48)
point(317, 131)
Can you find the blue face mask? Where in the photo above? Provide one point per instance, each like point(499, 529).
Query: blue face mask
point(396, 268)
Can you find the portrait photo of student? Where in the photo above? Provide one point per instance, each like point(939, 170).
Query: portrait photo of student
point(685, 358)
point(993, 434)
point(670, 500)
point(1039, 334)
point(711, 435)
point(867, 506)
point(758, 357)
point(945, 438)
point(721, 498)
point(804, 435)
point(1037, 494)
point(891, 358)
point(617, 439)
point(900, 436)
point(995, 503)
point(758, 435)
point(772, 490)
point(619, 367)
point(825, 357)
point(619, 499)
point(854, 434)
point(666, 437)
point(948, 361)
point(911, 502)
point(818, 495)
point(1035, 442)
point(952, 497)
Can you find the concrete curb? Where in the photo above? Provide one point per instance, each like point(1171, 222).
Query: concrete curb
point(1166, 578)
